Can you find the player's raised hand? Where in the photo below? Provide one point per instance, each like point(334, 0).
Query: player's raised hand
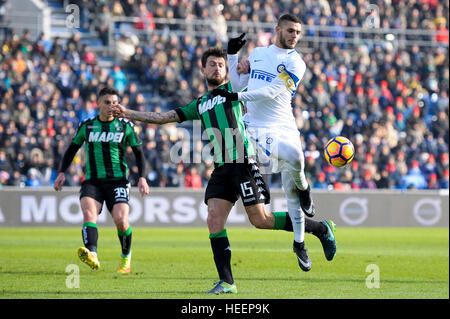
point(144, 189)
point(230, 96)
point(243, 66)
point(118, 110)
point(235, 44)
point(59, 181)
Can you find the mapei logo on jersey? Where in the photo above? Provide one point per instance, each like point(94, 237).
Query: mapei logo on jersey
point(262, 75)
point(211, 103)
point(105, 137)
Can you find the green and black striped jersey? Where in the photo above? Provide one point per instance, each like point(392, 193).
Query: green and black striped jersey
point(106, 144)
point(222, 121)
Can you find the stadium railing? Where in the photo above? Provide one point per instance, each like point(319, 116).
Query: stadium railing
point(352, 35)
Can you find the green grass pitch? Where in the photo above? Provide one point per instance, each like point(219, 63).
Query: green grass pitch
point(177, 263)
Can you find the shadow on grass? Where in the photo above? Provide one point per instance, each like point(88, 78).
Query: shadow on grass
point(143, 275)
point(98, 294)
point(33, 273)
point(304, 279)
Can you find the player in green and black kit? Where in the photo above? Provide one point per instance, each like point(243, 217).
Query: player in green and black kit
point(236, 173)
point(106, 178)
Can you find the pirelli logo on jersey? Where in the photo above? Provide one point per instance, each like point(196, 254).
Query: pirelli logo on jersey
point(262, 75)
point(105, 137)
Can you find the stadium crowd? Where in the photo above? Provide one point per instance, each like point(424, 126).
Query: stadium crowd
point(392, 103)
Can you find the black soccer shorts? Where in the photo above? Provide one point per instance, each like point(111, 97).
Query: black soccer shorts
point(110, 192)
point(232, 180)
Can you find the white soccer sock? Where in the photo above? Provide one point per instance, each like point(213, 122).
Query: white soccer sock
point(293, 203)
point(300, 179)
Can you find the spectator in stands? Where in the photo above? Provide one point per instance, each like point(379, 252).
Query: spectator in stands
point(321, 181)
point(219, 24)
point(368, 181)
point(126, 47)
point(102, 23)
point(415, 177)
point(176, 176)
point(384, 181)
point(87, 111)
point(145, 19)
point(5, 164)
point(120, 79)
point(192, 178)
point(4, 21)
point(444, 184)
point(33, 179)
point(442, 36)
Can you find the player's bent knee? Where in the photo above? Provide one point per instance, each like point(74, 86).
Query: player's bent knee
point(257, 222)
point(260, 221)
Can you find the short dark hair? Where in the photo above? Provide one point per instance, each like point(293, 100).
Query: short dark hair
point(107, 91)
point(289, 17)
point(216, 52)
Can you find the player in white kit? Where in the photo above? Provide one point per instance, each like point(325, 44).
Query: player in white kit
point(274, 74)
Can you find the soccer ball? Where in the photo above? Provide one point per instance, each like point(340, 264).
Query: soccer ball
point(339, 151)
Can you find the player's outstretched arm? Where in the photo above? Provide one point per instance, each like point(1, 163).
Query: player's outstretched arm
point(147, 117)
point(65, 163)
point(140, 162)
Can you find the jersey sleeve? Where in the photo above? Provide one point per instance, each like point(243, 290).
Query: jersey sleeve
point(132, 137)
point(188, 112)
point(238, 81)
point(80, 136)
point(293, 74)
point(268, 92)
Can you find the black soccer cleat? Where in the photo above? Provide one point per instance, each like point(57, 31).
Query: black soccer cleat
point(303, 259)
point(306, 202)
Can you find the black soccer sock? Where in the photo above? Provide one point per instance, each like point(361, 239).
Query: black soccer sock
point(125, 241)
point(305, 196)
point(222, 255)
point(315, 228)
point(299, 245)
point(90, 236)
point(282, 221)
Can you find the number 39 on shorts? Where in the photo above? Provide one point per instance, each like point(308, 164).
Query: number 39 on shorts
point(122, 193)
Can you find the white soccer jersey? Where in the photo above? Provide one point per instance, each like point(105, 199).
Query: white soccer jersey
point(274, 76)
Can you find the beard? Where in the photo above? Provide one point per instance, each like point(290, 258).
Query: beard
point(284, 43)
point(215, 81)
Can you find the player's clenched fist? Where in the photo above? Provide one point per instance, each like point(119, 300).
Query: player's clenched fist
point(243, 66)
point(230, 96)
point(235, 44)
